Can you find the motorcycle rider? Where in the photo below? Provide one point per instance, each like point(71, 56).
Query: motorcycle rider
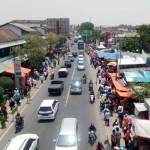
point(92, 93)
point(90, 85)
point(92, 128)
point(19, 120)
point(84, 78)
point(99, 146)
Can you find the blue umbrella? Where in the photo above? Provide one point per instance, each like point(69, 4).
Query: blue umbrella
point(114, 56)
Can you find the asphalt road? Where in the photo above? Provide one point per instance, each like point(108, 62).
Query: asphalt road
point(77, 106)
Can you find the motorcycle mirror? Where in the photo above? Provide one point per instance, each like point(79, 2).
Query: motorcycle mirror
point(54, 140)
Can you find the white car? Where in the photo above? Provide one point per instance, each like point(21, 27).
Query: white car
point(81, 65)
point(23, 142)
point(48, 109)
point(80, 58)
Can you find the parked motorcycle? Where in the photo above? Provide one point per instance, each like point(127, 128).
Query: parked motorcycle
point(92, 137)
point(92, 99)
point(51, 75)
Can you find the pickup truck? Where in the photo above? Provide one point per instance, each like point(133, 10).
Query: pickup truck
point(56, 87)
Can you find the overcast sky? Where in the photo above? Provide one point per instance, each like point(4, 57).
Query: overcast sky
point(101, 12)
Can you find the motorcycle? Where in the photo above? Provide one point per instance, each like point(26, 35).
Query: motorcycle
point(92, 137)
point(91, 87)
point(92, 99)
point(51, 75)
point(84, 80)
point(19, 124)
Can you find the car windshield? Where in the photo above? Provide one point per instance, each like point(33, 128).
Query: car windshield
point(69, 56)
point(81, 64)
point(80, 56)
point(66, 141)
point(45, 109)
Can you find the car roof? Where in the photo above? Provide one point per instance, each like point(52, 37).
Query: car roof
point(81, 56)
point(63, 69)
point(76, 78)
point(68, 126)
point(80, 61)
point(63, 66)
point(67, 60)
point(70, 55)
point(47, 102)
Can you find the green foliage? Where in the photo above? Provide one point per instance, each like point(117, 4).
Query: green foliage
point(141, 42)
point(141, 90)
point(1, 94)
point(6, 82)
point(85, 26)
point(62, 39)
point(53, 40)
point(34, 49)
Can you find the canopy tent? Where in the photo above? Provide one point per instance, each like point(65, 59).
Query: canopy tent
point(119, 87)
point(124, 94)
point(101, 46)
point(101, 54)
point(141, 128)
point(140, 107)
point(114, 56)
point(114, 75)
point(23, 70)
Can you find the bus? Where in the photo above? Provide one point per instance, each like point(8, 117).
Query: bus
point(80, 45)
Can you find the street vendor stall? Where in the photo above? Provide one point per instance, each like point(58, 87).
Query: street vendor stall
point(141, 130)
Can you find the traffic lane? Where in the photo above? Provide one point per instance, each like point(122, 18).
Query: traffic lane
point(31, 110)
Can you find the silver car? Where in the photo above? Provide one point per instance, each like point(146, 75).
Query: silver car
point(71, 58)
point(81, 65)
point(76, 87)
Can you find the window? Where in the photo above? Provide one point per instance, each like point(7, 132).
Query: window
point(45, 109)
point(28, 144)
point(54, 103)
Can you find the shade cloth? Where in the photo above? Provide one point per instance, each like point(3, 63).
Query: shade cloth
point(101, 46)
point(119, 87)
point(101, 54)
point(142, 128)
point(140, 107)
point(114, 75)
point(112, 64)
point(114, 56)
point(23, 70)
point(124, 94)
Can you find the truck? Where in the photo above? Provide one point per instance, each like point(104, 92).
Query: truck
point(80, 45)
point(56, 87)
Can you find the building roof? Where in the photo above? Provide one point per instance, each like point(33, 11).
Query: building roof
point(137, 26)
point(29, 21)
point(122, 26)
point(6, 35)
point(36, 32)
point(23, 27)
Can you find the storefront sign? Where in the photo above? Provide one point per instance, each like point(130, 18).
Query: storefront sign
point(17, 68)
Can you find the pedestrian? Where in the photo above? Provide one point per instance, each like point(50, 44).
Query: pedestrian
point(113, 139)
point(34, 82)
point(99, 68)
point(99, 78)
point(114, 122)
point(3, 107)
point(17, 99)
point(127, 138)
point(58, 60)
point(135, 143)
point(3, 120)
point(115, 126)
point(5, 113)
point(11, 103)
point(99, 146)
point(41, 78)
point(118, 137)
point(107, 117)
point(45, 74)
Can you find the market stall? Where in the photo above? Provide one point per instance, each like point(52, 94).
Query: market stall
point(141, 130)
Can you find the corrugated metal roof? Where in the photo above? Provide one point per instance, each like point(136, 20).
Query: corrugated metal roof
point(6, 35)
point(23, 27)
point(29, 21)
point(37, 33)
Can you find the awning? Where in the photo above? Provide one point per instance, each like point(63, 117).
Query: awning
point(114, 75)
point(141, 128)
point(140, 107)
point(124, 94)
point(119, 87)
point(24, 71)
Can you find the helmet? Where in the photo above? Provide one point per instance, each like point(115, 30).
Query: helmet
point(99, 142)
point(18, 114)
point(92, 124)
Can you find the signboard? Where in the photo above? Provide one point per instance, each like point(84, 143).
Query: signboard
point(86, 32)
point(17, 68)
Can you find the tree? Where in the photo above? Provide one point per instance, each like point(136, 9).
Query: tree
point(34, 49)
point(6, 82)
point(1, 94)
point(53, 40)
point(62, 39)
point(85, 26)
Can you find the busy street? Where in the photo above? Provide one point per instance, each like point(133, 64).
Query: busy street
point(70, 106)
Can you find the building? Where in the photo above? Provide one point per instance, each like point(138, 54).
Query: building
point(123, 28)
point(8, 39)
point(31, 23)
point(58, 25)
point(19, 29)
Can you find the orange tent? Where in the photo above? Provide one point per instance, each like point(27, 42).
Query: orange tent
point(114, 75)
point(124, 94)
point(24, 71)
point(119, 87)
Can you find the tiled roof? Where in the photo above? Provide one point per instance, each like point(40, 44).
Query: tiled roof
point(6, 35)
point(36, 32)
point(122, 26)
point(29, 21)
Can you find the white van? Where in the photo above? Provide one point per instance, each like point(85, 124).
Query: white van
point(68, 135)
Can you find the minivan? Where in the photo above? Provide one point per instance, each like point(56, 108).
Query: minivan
point(68, 135)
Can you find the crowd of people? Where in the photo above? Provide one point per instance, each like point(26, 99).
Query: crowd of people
point(110, 103)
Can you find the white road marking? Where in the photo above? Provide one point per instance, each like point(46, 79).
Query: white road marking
point(69, 87)
point(20, 113)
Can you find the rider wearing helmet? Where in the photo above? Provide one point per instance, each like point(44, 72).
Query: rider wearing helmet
point(84, 76)
point(99, 146)
point(92, 127)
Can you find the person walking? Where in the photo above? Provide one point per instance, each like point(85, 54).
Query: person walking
point(41, 78)
point(58, 60)
point(99, 78)
point(11, 103)
point(127, 138)
point(113, 139)
point(118, 137)
point(45, 74)
point(3, 120)
point(107, 117)
point(34, 82)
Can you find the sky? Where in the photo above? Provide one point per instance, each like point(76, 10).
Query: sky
point(99, 12)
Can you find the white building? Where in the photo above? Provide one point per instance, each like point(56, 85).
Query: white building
point(123, 28)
